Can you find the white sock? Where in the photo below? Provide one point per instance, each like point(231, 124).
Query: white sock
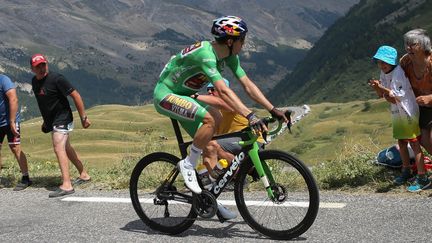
point(192, 159)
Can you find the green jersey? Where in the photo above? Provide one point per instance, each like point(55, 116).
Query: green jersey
point(195, 66)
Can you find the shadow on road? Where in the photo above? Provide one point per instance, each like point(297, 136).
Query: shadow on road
point(227, 230)
point(48, 182)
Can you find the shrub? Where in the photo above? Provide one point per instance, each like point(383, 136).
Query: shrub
point(351, 169)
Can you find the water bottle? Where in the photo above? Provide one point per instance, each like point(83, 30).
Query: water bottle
point(219, 169)
point(203, 175)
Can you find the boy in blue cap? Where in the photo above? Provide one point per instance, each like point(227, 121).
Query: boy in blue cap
point(396, 88)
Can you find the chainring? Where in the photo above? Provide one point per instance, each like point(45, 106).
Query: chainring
point(204, 204)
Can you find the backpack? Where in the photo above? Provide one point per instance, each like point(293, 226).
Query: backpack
point(391, 156)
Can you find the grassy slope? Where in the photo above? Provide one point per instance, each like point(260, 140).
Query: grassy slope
point(121, 135)
point(120, 132)
point(323, 134)
point(117, 132)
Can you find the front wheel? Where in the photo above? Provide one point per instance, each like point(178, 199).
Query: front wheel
point(159, 195)
point(296, 202)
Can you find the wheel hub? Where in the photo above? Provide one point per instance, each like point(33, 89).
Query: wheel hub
point(280, 194)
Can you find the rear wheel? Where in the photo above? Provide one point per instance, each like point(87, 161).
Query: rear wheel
point(161, 205)
point(296, 202)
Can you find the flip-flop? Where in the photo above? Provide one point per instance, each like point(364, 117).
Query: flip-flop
point(79, 181)
point(60, 192)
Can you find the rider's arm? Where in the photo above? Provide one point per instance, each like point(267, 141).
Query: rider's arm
point(227, 95)
point(255, 93)
point(230, 98)
point(251, 89)
point(215, 102)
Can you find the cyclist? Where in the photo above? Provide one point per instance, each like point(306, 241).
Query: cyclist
point(193, 68)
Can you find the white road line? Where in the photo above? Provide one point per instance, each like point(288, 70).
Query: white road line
point(224, 202)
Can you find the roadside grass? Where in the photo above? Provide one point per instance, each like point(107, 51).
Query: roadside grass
point(335, 140)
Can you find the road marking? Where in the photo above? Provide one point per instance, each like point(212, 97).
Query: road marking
point(224, 202)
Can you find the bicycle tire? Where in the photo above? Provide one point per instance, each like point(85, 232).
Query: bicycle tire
point(292, 171)
point(138, 187)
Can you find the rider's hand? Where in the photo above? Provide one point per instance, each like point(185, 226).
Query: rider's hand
point(278, 114)
point(256, 124)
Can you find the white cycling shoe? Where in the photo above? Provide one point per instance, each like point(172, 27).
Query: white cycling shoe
point(226, 213)
point(189, 177)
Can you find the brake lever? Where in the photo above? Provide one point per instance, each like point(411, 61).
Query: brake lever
point(266, 121)
point(289, 123)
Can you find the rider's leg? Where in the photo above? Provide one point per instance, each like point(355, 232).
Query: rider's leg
point(195, 119)
point(187, 166)
point(201, 139)
point(210, 154)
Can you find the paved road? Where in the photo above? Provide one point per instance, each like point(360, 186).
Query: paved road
point(30, 216)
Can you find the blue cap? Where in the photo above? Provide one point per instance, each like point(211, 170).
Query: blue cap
point(210, 85)
point(386, 54)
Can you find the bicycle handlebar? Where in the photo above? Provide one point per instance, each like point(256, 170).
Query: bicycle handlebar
point(268, 120)
point(280, 122)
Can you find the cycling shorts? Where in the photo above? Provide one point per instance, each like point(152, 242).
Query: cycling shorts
point(231, 144)
point(189, 112)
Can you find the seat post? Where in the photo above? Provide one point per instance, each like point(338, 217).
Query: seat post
point(179, 137)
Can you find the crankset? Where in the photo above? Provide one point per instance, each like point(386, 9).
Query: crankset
point(204, 204)
point(279, 193)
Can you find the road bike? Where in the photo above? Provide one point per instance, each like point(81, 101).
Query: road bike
point(274, 191)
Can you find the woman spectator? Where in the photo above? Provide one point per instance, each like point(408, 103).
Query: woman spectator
point(417, 64)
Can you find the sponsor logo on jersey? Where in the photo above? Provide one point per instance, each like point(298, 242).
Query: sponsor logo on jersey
point(190, 49)
point(208, 60)
point(196, 81)
point(212, 71)
point(179, 106)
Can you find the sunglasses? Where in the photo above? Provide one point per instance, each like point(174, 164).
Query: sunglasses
point(210, 89)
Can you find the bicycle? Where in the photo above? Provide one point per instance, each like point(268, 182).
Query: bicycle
point(165, 204)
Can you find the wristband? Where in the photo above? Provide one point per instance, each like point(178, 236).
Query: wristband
point(195, 96)
point(250, 115)
point(83, 119)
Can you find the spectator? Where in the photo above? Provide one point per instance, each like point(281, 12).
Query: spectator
point(10, 127)
point(395, 86)
point(417, 64)
point(51, 90)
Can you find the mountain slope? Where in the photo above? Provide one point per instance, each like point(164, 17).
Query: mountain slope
point(337, 67)
point(114, 50)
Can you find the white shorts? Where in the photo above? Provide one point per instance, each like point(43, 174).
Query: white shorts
point(65, 129)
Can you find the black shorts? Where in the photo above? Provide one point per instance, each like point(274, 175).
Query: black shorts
point(12, 139)
point(425, 120)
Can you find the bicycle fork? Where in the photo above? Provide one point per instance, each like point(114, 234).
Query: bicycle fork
point(263, 170)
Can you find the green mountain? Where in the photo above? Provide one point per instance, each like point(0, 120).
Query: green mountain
point(337, 67)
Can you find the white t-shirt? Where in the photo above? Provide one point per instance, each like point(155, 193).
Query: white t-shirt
point(405, 113)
